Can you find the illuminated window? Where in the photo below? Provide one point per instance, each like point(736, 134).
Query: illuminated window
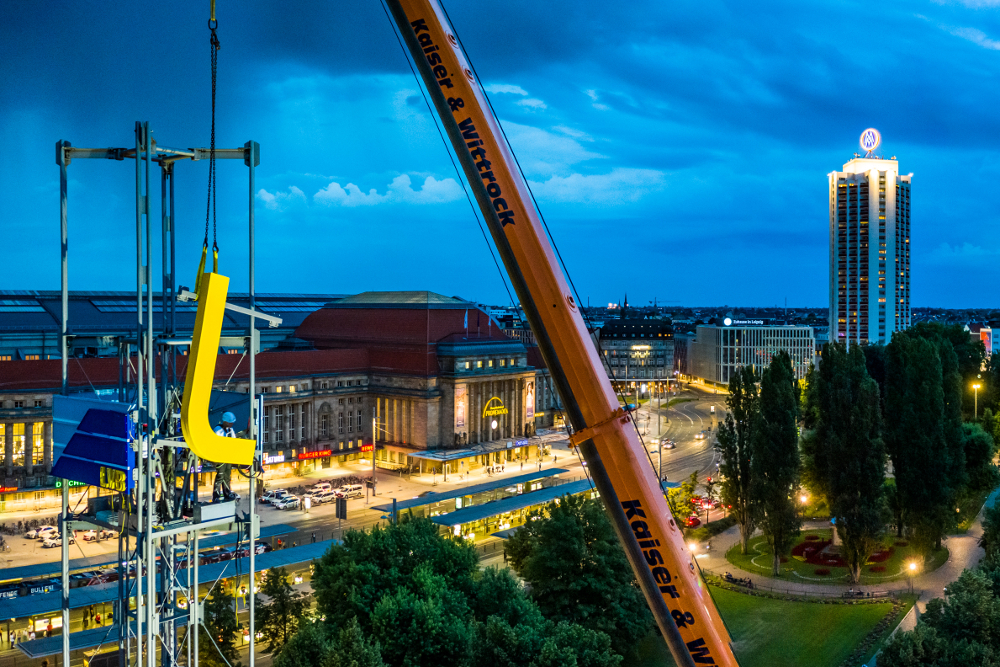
point(18, 445)
point(37, 443)
point(479, 364)
point(278, 389)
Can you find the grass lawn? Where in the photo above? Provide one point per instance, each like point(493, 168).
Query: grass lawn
point(776, 633)
point(758, 561)
point(675, 401)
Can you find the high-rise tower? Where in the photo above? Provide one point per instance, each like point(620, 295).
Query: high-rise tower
point(869, 248)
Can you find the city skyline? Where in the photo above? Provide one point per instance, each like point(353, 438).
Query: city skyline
point(678, 156)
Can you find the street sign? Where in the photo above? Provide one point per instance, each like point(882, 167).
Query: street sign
point(341, 510)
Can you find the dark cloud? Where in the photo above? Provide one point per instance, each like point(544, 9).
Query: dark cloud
point(674, 144)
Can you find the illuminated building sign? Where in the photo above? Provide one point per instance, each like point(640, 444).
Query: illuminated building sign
point(314, 455)
point(367, 448)
point(269, 460)
point(72, 483)
point(870, 139)
point(8, 489)
point(729, 322)
point(494, 407)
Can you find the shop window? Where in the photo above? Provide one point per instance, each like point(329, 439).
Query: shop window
point(38, 444)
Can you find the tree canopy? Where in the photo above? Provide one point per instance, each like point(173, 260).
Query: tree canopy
point(849, 454)
point(405, 595)
point(736, 438)
point(774, 466)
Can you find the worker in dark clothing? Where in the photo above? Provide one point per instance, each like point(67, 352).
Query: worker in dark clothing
point(224, 471)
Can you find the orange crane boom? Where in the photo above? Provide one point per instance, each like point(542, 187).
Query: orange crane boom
point(631, 492)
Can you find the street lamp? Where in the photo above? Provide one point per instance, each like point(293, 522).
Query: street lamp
point(913, 570)
point(975, 411)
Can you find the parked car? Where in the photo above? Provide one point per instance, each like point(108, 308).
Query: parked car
point(692, 522)
point(322, 487)
point(323, 497)
point(92, 535)
point(41, 531)
point(275, 496)
point(56, 541)
point(351, 491)
point(288, 503)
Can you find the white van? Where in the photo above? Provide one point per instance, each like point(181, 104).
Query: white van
point(322, 487)
point(351, 491)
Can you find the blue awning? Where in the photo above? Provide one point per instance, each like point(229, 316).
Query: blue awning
point(476, 512)
point(52, 568)
point(499, 483)
point(43, 603)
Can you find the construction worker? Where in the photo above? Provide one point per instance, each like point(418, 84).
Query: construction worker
point(224, 471)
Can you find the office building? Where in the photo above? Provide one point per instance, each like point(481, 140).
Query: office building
point(869, 248)
point(718, 351)
point(638, 350)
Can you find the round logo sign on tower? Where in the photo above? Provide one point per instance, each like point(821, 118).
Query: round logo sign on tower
point(870, 139)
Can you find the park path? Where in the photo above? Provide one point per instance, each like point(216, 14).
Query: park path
point(964, 552)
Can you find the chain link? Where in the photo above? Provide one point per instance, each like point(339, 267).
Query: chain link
point(210, 206)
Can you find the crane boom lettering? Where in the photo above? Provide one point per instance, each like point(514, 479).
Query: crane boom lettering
point(615, 457)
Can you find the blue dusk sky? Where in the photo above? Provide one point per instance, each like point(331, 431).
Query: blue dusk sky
point(679, 150)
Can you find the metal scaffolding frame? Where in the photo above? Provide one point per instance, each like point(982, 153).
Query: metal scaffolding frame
point(154, 517)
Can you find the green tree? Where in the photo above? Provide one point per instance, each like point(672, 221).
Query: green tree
point(809, 399)
point(426, 623)
point(969, 353)
point(308, 647)
point(679, 499)
point(577, 571)
point(962, 630)
point(979, 448)
point(990, 540)
point(278, 619)
point(774, 464)
point(915, 437)
point(217, 640)
point(853, 467)
point(736, 437)
point(318, 645)
point(352, 577)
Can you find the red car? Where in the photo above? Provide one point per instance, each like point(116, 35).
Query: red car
point(692, 522)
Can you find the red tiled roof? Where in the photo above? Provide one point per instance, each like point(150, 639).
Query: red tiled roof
point(46, 375)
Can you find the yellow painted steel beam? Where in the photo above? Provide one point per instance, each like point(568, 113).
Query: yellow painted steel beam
point(198, 432)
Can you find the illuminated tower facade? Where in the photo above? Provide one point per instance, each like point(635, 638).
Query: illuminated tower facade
point(869, 248)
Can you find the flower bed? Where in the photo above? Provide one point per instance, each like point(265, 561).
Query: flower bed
point(811, 551)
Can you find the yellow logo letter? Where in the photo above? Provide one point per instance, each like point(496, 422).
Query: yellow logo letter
point(198, 433)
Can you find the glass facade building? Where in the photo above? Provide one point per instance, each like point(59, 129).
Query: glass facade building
point(718, 351)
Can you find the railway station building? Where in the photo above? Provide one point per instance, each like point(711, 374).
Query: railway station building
point(434, 378)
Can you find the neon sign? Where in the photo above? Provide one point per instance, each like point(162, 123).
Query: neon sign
point(493, 409)
point(314, 455)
